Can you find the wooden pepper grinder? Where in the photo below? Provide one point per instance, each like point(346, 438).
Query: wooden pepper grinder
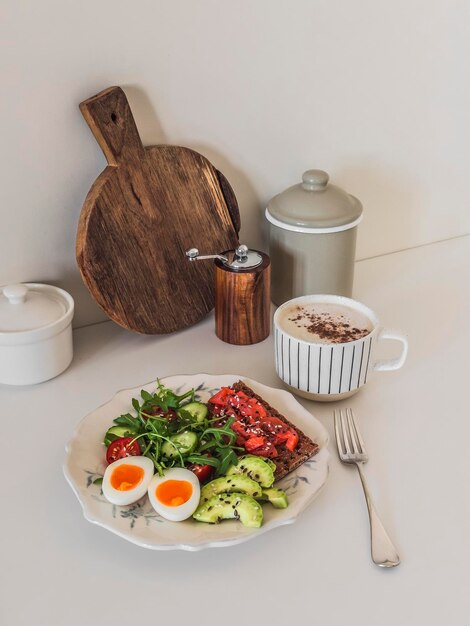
point(242, 294)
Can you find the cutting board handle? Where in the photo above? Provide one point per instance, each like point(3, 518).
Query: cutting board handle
point(110, 119)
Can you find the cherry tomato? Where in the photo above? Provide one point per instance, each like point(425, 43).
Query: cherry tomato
point(246, 429)
point(238, 398)
point(240, 441)
point(254, 442)
point(122, 447)
point(240, 428)
point(217, 409)
point(157, 411)
point(254, 410)
point(290, 439)
point(280, 432)
point(220, 398)
point(203, 472)
point(226, 399)
point(246, 406)
point(268, 450)
point(273, 425)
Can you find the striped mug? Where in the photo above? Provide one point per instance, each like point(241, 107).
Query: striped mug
point(335, 363)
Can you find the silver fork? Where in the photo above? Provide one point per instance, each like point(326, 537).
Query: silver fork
point(351, 450)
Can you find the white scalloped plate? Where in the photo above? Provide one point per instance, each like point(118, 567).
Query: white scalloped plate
point(138, 522)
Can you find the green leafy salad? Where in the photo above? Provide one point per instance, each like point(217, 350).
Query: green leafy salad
point(173, 431)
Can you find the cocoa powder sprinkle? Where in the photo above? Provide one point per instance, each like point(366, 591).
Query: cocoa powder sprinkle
point(331, 329)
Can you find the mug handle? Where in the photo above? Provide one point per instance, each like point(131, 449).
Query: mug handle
point(392, 364)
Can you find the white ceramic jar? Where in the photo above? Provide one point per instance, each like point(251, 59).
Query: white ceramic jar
point(35, 333)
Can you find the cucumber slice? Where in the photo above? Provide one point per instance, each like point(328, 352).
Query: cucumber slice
point(118, 431)
point(184, 443)
point(197, 410)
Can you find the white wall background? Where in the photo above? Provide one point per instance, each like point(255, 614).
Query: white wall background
point(375, 92)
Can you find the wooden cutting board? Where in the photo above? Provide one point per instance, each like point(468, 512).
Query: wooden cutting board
point(142, 213)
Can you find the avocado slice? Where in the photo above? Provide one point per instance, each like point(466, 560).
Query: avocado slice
point(230, 506)
point(271, 464)
point(277, 497)
point(255, 468)
point(231, 484)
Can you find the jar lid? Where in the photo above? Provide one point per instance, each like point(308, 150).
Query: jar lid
point(314, 206)
point(31, 306)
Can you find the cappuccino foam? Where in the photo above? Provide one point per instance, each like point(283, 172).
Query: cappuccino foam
point(324, 322)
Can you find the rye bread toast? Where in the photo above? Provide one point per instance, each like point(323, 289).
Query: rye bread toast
point(287, 461)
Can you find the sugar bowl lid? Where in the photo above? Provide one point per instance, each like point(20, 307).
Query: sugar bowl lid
point(33, 308)
point(314, 206)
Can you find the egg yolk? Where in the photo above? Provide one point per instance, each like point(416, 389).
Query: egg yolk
point(126, 477)
point(174, 492)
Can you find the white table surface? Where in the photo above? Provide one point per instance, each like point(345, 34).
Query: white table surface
point(56, 568)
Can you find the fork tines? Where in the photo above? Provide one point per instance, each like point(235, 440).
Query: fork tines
point(348, 438)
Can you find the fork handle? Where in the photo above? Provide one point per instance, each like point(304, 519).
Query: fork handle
point(383, 551)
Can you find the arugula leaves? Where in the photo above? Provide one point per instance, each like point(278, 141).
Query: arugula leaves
point(216, 444)
point(164, 398)
point(128, 420)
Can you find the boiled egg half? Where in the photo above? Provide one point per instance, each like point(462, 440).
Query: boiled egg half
point(175, 496)
point(125, 481)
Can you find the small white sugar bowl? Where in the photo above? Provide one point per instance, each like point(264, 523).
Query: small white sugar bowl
point(35, 333)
